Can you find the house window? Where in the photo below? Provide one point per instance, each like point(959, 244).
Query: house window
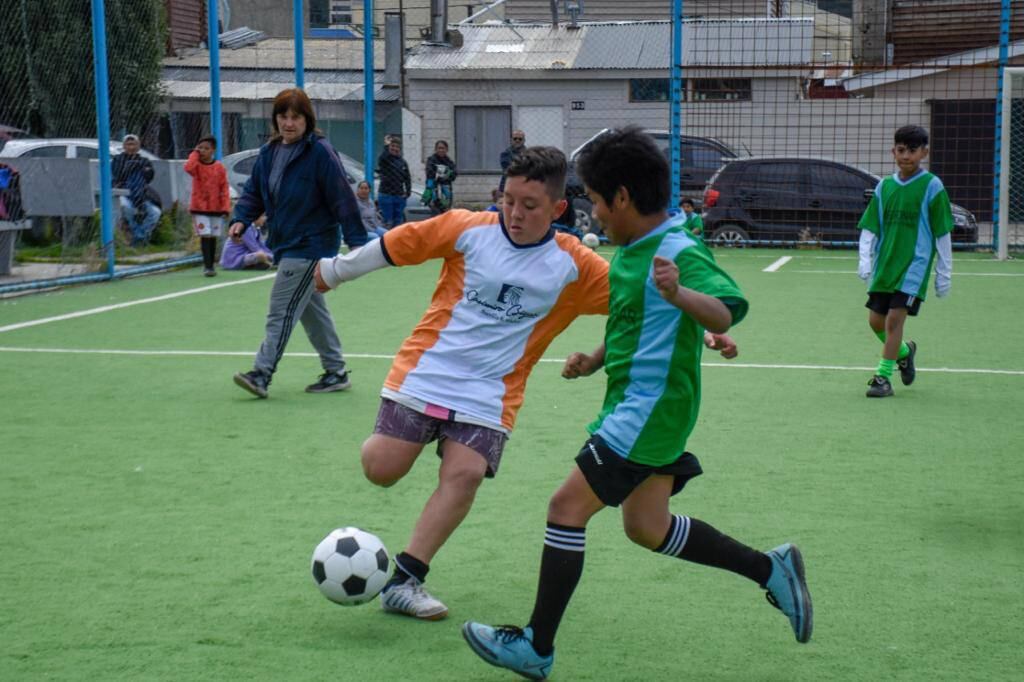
point(649, 89)
point(328, 13)
point(720, 90)
point(481, 134)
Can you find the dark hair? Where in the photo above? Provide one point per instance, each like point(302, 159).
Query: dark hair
point(209, 138)
point(543, 164)
point(292, 99)
point(629, 158)
point(912, 136)
point(444, 142)
point(688, 202)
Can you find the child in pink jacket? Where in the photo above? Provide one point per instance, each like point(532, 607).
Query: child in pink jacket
point(211, 203)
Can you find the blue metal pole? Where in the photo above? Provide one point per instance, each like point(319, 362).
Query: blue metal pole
point(368, 91)
point(213, 39)
point(998, 170)
point(99, 52)
point(300, 65)
point(675, 101)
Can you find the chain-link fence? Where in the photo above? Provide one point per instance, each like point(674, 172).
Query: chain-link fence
point(787, 108)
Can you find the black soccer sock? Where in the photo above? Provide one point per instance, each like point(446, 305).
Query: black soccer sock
point(209, 248)
point(561, 565)
point(407, 566)
point(696, 541)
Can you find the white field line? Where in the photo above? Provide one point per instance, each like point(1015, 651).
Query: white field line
point(382, 356)
point(128, 304)
point(778, 264)
point(955, 274)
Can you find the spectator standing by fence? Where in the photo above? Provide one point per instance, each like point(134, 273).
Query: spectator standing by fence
point(441, 173)
point(211, 203)
point(395, 184)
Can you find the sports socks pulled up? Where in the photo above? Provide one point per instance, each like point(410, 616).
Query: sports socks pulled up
point(561, 566)
point(904, 348)
point(407, 566)
point(693, 540)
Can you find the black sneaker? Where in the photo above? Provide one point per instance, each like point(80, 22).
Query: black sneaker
point(209, 272)
point(906, 365)
point(254, 382)
point(879, 387)
point(329, 382)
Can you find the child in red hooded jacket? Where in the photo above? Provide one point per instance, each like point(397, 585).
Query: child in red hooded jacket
point(211, 203)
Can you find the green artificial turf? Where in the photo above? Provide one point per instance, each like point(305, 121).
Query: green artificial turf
point(156, 522)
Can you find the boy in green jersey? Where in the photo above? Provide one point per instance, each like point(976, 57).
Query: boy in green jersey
point(694, 223)
point(665, 290)
point(906, 224)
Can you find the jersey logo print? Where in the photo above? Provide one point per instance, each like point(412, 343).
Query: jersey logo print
point(507, 308)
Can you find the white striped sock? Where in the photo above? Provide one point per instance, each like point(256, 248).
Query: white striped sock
point(676, 538)
point(572, 540)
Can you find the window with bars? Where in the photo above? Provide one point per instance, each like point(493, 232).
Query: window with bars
point(649, 89)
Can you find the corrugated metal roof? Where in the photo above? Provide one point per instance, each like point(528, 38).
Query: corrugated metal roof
point(984, 55)
point(279, 53)
point(264, 84)
point(622, 45)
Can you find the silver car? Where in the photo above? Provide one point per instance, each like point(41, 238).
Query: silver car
point(240, 165)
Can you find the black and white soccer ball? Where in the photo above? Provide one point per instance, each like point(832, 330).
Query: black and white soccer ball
point(350, 566)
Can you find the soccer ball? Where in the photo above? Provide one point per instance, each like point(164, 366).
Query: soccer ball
point(592, 240)
point(350, 566)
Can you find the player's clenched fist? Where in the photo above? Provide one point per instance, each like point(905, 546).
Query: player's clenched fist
point(580, 365)
point(666, 277)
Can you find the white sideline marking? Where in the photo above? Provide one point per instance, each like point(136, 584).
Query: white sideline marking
point(382, 356)
point(778, 264)
point(955, 274)
point(128, 304)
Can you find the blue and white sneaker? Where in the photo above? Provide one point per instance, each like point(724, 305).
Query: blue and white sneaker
point(787, 590)
point(508, 647)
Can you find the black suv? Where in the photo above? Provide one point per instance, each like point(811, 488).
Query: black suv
point(701, 157)
point(796, 199)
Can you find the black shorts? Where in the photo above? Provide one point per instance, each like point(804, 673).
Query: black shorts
point(613, 477)
point(882, 302)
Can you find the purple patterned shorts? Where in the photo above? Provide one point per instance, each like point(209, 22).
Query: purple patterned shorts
point(398, 421)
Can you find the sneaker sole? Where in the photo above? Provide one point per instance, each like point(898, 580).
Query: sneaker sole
point(333, 389)
point(484, 653)
point(440, 615)
point(255, 390)
point(806, 628)
point(880, 395)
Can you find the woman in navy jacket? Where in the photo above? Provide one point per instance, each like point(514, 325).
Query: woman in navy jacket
point(299, 183)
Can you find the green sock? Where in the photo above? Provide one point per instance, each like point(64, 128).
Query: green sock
point(885, 368)
point(904, 348)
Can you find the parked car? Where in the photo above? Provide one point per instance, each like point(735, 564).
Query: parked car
point(61, 148)
point(240, 164)
point(701, 158)
point(796, 199)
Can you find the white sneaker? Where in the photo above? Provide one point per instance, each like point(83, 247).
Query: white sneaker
point(411, 599)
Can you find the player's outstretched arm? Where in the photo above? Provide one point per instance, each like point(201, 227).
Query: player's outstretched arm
point(583, 365)
point(330, 272)
point(707, 311)
point(723, 343)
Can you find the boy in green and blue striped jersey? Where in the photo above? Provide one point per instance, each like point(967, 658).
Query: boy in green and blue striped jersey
point(665, 290)
point(905, 226)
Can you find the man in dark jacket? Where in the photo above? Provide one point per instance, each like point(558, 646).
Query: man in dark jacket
point(395, 184)
point(133, 172)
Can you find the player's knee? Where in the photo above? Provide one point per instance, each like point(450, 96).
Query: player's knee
point(640, 533)
point(563, 508)
point(464, 479)
point(377, 470)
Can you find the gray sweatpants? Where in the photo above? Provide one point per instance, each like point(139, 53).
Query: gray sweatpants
point(292, 297)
